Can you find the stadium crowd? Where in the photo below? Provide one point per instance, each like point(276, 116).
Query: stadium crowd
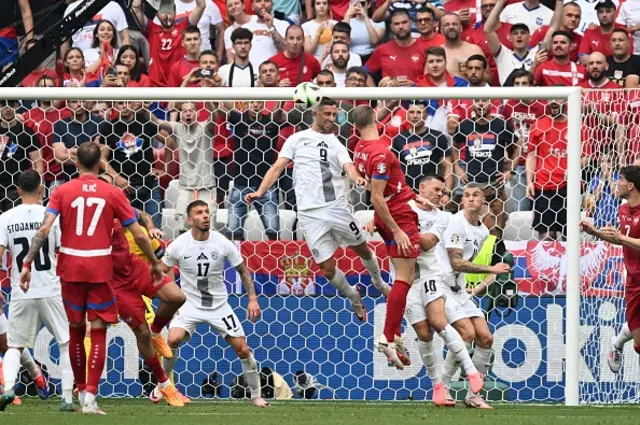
point(220, 151)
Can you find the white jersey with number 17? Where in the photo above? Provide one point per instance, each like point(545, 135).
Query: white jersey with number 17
point(17, 227)
point(201, 265)
point(318, 164)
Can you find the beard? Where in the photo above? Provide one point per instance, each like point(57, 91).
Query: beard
point(340, 63)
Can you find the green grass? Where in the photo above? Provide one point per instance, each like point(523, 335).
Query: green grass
point(139, 412)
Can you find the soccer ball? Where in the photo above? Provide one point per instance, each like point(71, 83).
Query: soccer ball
point(307, 96)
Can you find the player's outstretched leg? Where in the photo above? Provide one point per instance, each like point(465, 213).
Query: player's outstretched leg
point(148, 352)
point(176, 336)
point(370, 263)
point(338, 280)
point(617, 345)
point(249, 369)
point(481, 359)
point(172, 299)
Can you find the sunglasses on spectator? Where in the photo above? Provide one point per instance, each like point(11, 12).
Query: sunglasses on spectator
point(424, 20)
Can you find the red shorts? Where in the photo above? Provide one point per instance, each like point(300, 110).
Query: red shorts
point(407, 219)
point(632, 297)
point(129, 291)
point(89, 301)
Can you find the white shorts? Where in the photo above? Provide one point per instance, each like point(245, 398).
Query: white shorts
point(460, 307)
point(327, 228)
point(4, 325)
point(25, 316)
point(222, 319)
point(186, 196)
point(420, 295)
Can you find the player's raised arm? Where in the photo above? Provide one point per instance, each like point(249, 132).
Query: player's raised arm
point(269, 179)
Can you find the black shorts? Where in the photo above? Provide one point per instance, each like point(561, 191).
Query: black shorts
point(550, 210)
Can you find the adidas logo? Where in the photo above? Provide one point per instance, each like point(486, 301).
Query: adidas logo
point(202, 256)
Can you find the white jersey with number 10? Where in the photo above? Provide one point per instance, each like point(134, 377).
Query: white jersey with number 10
point(201, 265)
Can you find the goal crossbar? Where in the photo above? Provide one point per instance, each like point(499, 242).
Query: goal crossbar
point(574, 152)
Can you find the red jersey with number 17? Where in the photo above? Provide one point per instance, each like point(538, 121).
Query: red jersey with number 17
point(630, 226)
point(375, 161)
point(87, 207)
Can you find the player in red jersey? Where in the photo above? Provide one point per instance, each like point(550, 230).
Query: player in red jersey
point(87, 207)
point(165, 40)
point(396, 222)
point(628, 236)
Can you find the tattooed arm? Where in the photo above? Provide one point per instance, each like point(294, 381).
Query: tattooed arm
point(253, 309)
point(36, 244)
point(466, 266)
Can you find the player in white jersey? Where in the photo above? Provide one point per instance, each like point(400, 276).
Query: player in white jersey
point(461, 242)
point(200, 255)
point(426, 298)
point(319, 160)
point(40, 300)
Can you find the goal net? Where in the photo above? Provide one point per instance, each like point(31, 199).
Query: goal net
point(551, 341)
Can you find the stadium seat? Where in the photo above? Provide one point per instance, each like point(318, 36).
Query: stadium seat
point(363, 218)
point(170, 225)
point(254, 230)
point(171, 195)
point(519, 227)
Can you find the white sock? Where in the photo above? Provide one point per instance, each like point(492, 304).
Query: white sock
point(164, 384)
point(374, 271)
point(429, 359)
point(169, 364)
point(66, 373)
point(451, 365)
point(82, 396)
point(89, 399)
point(27, 361)
point(339, 282)
point(11, 368)
point(251, 374)
point(456, 346)
point(482, 360)
point(623, 337)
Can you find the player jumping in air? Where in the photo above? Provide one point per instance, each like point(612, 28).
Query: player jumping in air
point(200, 255)
point(394, 220)
point(426, 300)
point(461, 242)
point(42, 302)
point(319, 159)
point(87, 207)
point(628, 188)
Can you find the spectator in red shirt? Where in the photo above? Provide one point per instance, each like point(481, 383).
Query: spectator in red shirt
point(40, 120)
point(546, 172)
point(32, 79)
point(401, 58)
point(466, 9)
point(598, 39)
point(191, 42)
point(566, 17)
point(295, 66)
point(128, 55)
point(476, 33)
point(560, 70)
point(426, 24)
point(338, 8)
point(75, 74)
point(165, 40)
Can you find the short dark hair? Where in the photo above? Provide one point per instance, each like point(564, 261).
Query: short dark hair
point(191, 29)
point(327, 101)
point(196, 203)
point(363, 116)
point(398, 12)
point(268, 62)
point(29, 181)
point(428, 177)
point(241, 34)
point(436, 51)
point(632, 174)
point(473, 185)
point(480, 58)
point(328, 73)
point(356, 70)
point(574, 4)
point(89, 155)
point(518, 73)
point(423, 9)
point(621, 30)
point(566, 34)
point(45, 78)
point(207, 52)
point(342, 27)
point(286, 33)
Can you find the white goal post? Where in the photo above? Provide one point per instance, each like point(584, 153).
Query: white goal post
point(571, 94)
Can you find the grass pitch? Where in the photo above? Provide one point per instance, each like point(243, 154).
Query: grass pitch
point(141, 411)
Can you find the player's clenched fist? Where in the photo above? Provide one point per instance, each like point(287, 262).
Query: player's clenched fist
point(587, 227)
point(253, 310)
point(25, 278)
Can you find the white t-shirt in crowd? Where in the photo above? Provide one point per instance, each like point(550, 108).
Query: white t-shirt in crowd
point(310, 28)
point(211, 16)
point(360, 42)
point(262, 46)
point(241, 75)
point(629, 16)
point(534, 18)
point(340, 79)
point(83, 38)
point(507, 61)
